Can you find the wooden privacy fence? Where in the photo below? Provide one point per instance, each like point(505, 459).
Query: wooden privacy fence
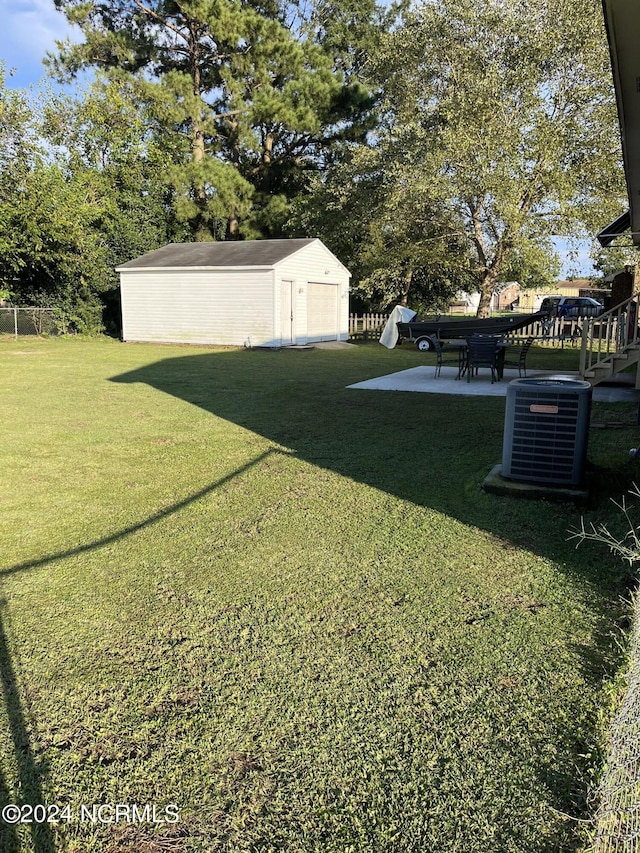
point(553, 330)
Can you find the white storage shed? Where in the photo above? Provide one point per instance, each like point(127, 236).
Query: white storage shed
point(268, 293)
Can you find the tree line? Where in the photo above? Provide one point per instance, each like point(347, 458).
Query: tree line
point(432, 146)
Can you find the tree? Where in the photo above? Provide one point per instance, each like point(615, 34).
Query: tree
point(79, 193)
point(239, 95)
point(101, 143)
point(56, 252)
point(17, 153)
point(400, 244)
point(503, 110)
point(48, 252)
point(102, 140)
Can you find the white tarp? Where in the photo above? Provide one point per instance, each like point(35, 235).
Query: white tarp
point(389, 336)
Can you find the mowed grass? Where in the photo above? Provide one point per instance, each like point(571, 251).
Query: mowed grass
point(232, 584)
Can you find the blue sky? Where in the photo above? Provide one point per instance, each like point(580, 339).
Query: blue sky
point(575, 259)
point(29, 28)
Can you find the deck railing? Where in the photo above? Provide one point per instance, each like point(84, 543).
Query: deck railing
point(609, 333)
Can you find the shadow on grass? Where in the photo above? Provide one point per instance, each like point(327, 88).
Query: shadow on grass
point(28, 771)
point(134, 528)
point(433, 450)
point(29, 792)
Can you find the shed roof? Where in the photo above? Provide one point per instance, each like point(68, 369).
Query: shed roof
point(236, 253)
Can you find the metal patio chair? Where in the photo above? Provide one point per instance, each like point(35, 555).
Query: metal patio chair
point(483, 351)
point(521, 363)
point(437, 348)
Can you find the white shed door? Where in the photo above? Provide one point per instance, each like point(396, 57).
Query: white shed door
point(322, 312)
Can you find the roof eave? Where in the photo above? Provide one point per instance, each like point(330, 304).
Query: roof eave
point(623, 33)
point(185, 268)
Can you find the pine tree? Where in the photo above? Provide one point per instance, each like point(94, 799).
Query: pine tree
point(240, 97)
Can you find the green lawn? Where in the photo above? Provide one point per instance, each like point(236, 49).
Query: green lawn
point(231, 584)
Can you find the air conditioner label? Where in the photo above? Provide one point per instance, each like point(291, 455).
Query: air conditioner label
point(544, 410)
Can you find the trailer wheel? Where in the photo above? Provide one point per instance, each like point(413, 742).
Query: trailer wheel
point(424, 344)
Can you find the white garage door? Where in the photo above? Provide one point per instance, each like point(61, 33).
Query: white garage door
point(322, 312)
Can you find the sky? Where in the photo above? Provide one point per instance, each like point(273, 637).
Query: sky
point(30, 28)
point(575, 259)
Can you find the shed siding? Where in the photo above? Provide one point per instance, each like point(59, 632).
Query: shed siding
point(256, 306)
point(233, 308)
point(315, 263)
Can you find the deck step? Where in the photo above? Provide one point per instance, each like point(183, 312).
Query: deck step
point(613, 363)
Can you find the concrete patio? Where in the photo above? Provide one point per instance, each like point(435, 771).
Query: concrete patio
point(423, 380)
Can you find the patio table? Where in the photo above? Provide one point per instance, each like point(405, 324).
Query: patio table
point(461, 346)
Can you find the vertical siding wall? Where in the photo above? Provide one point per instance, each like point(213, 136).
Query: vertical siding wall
point(314, 263)
point(233, 308)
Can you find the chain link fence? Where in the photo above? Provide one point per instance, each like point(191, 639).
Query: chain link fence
point(618, 816)
point(27, 321)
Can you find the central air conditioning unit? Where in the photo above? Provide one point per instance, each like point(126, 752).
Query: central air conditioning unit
point(546, 430)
